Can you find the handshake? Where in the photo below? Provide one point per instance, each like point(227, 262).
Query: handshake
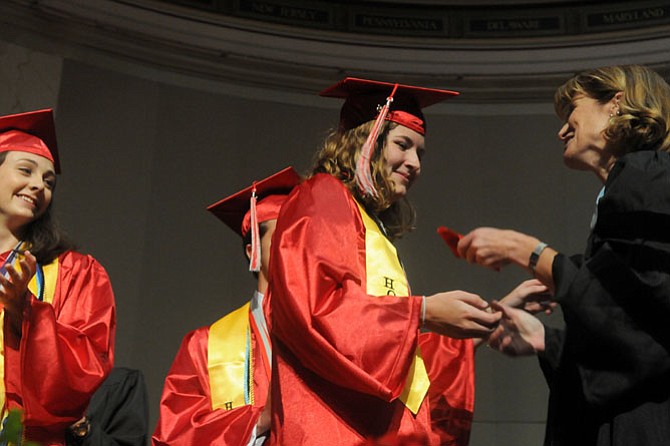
point(508, 325)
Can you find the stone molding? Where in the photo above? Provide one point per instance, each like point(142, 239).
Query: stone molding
point(499, 57)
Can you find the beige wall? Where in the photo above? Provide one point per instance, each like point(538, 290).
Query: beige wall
point(142, 159)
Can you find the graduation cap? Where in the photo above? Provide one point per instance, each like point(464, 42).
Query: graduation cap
point(32, 132)
point(366, 100)
point(245, 210)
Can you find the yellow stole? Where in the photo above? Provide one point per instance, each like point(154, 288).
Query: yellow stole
point(50, 272)
point(386, 276)
point(230, 360)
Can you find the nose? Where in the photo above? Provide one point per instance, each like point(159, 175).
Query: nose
point(563, 132)
point(412, 160)
point(36, 183)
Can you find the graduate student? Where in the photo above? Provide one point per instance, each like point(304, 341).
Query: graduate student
point(58, 313)
point(216, 391)
point(345, 325)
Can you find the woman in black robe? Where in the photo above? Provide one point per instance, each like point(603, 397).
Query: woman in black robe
point(609, 369)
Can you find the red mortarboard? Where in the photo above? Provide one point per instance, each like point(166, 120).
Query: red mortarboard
point(32, 132)
point(245, 210)
point(364, 97)
point(233, 209)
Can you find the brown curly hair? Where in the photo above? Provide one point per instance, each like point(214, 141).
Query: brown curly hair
point(644, 119)
point(338, 156)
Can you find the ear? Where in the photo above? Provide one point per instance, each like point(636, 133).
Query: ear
point(614, 102)
point(247, 249)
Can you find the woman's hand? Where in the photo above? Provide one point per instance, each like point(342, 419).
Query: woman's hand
point(519, 333)
point(460, 315)
point(495, 248)
point(13, 290)
point(532, 296)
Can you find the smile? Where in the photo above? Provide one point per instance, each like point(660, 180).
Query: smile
point(28, 199)
point(405, 176)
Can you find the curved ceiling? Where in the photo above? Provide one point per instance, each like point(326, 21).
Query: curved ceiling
point(515, 51)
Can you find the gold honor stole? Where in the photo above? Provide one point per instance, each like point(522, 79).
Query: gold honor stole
point(230, 359)
point(39, 288)
point(385, 276)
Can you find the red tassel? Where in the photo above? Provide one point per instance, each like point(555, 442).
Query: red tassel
point(363, 175)
point(255, 257)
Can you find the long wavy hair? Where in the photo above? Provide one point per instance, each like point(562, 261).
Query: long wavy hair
point(44, 237)
point(338, 156)
point(643, 121)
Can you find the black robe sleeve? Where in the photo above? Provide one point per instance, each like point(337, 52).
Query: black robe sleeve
point(617, 302)
point(118, 412)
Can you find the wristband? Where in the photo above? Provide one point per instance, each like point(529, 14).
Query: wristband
point(423, 310)
point(535, 256)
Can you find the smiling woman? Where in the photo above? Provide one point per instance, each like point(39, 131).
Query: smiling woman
point(30, 179)
point(346, 328)
point(403, 150)
point(58, 315)
point(583, 134)
point(608, 370)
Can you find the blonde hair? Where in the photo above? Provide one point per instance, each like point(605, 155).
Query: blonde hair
point(338, 156)
point(643, 121)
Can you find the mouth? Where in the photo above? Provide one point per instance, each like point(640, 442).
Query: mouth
point(407, 178)
point(566, 144)
point(27, 199)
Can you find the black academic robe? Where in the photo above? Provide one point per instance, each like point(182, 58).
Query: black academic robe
point(118, 412)
point(609, 370)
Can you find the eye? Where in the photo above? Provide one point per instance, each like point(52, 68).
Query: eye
point(50, 183)
point(403, 144)
point(25, 170)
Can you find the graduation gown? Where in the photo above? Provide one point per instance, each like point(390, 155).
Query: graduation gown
point(187, 416)
point(609, 370)
point(342, 356)
point(65, 351)
point(451, 368)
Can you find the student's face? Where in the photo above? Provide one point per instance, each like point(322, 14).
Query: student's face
point(26, 186)
point(266, 242)
point(583, 133)
point(403, 150)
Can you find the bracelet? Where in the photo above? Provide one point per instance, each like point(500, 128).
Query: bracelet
point(423, 310)
point(81, 428)
point(535, 256)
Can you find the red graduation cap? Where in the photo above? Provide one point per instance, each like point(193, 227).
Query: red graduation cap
point(33, 132)
point(245, 210)
point(364, 97)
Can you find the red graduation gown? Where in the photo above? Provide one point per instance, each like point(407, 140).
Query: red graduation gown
point(65, 352)
point(451, 368)
point(341, 356)
point(186, 417)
